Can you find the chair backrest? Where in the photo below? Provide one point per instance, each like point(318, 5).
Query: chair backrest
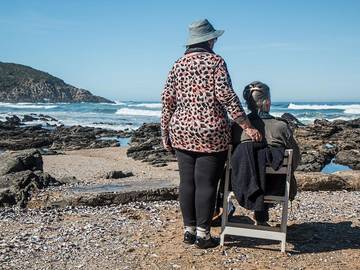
point(286, 165)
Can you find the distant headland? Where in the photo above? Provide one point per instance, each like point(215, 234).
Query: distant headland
point(19, 83)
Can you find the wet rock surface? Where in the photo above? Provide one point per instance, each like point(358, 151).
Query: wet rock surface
point(111, 193)
point(20, 174)
point(322, 141)
point(14, 135)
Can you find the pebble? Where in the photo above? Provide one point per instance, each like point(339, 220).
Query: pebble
point(40, 238)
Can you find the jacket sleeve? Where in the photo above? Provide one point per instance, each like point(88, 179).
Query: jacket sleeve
point(225, 93)
point(168, 100)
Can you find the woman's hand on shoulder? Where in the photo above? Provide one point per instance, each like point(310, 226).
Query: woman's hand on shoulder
point(253, 133)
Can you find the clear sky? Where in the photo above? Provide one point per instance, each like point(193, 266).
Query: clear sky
point(123, 50)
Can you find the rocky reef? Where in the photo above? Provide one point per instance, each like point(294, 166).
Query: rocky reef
point(14, 135)
point(319, 143)
point(19, 83)
point(323, 141)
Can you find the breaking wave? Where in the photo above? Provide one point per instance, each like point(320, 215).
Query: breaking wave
point(349, 109)
point(127, 111)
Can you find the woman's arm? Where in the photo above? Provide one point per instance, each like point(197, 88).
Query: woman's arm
point(226, 95)
point(168, 100)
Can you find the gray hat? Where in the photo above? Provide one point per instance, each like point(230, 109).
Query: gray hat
point(201, 31)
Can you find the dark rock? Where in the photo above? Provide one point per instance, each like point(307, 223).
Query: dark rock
point(292, 120)
point(117, 175)
point(11, 162)
point(14, 137)
point(20, 174)
point(146, 145)
point(29, 118)
point(13, 120)
point(314, 141)
point(350, 158)
point(18, 186)
point(68, 180)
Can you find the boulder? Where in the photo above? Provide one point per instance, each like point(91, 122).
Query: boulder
point(146, 145)
point(13, 120)
point(351, 177)
point(117, 174)
point(350, 158)
point(20, 174)
point(11, 162)
point(292, 120)
point(16, 188)
point(316, 181)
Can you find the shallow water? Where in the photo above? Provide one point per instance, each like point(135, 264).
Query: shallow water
point(123, 141)
point(334, 167)
point(101, 188)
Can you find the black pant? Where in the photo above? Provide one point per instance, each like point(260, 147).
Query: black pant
point(199, 176)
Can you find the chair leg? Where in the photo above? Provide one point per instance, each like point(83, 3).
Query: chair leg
point(222, 239)
point(283, 245)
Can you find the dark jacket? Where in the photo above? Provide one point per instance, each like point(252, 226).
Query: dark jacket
point(276, 133)
point(248, 177)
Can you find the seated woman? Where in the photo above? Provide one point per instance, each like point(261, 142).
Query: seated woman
point(275, 131)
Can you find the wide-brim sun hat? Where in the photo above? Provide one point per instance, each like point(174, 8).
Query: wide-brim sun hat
point(201, 31)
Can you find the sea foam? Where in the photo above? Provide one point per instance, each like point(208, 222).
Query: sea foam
point(349, 109)
point(127, 111)
point(147, 105)
point(27, 105)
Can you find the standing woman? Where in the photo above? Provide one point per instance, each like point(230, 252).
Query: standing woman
point(196, 99)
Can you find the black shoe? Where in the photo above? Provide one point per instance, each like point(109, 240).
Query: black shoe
point(206, 243)
point(189, 238)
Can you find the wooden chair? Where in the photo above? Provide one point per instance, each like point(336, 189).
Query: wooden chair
point(258, 231)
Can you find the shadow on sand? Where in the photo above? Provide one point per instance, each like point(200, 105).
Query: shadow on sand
point(312, 237)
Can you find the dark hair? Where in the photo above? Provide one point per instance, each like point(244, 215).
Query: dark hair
point(255, 94)
point(204, 45)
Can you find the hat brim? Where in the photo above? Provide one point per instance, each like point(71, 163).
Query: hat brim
point(215, 34)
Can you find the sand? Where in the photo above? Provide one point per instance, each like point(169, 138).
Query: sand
point(90, 165)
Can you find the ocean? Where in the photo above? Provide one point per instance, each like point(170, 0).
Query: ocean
point(131, 115)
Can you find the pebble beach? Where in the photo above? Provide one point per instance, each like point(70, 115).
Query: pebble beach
point(323, 233)
point(323, 227)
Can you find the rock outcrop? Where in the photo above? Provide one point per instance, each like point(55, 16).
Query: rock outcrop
point(19, 83)
point(146, 145)
point(317, 181)
point(322, 141)
point(20, 174)
point(319, 143)
point(15, 136)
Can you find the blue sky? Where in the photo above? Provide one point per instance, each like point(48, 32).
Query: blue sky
point(123, 50)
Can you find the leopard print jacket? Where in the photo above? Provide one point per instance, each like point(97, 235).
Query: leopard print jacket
point(197, 96)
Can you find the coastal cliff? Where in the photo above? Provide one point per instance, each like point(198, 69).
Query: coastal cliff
point(19, 83)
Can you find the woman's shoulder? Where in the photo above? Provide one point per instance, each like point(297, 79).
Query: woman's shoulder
point(201, 56)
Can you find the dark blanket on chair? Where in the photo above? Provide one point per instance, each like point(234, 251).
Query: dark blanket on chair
point(248, 177)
